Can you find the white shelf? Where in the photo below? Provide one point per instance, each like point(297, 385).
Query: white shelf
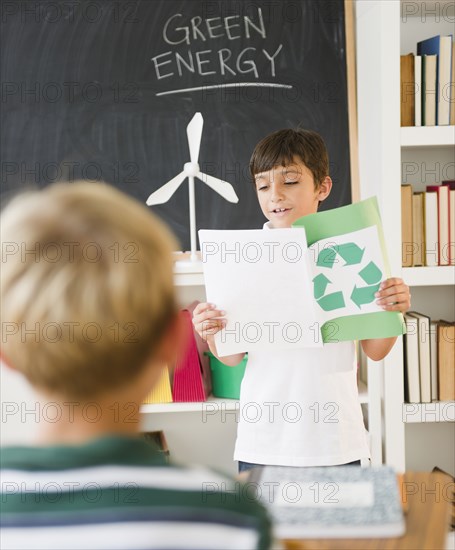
point(438, 411)
point(428, 136)
point(212, 404)
point(188, 279)
point(186, 272)
point(215, 404)
point(429, 276)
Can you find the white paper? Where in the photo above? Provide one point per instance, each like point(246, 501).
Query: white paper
point(263, 281)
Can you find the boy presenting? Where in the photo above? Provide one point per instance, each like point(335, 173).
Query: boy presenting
point(290, 171)
point(89, 318)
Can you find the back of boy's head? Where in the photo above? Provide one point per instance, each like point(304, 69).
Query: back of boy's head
point(282, 147)
point(87, 287)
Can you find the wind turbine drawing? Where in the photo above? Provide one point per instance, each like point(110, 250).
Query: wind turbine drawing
point(191, 170)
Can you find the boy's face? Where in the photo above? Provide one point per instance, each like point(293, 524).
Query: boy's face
point(286, 193)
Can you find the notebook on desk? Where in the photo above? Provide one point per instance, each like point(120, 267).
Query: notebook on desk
point(331, 502)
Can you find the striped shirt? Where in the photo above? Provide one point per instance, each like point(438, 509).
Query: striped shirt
point(118, 492)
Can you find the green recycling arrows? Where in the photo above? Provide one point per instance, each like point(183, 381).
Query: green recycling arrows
point(320, 283)
point(352, 254)
point(327, 257)
point(371, 273)
point(363, 295)
point(332, 301)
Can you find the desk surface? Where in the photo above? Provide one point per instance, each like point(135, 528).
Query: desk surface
point(426, 498)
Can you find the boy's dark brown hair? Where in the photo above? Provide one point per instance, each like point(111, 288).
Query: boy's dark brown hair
point(280, 147)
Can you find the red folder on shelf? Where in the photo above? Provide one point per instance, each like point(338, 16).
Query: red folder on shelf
point(191, 380)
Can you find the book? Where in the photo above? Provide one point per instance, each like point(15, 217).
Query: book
point(411, 360)
point(434, 360)
point(161, 391)
point(407, 89)
point(406, 226)
point(330, 502)
point(430, 207)
point(441, 47)
point(451, 186)
point(429, 91)
point(443, 222)
point(418, 235)
point(452, 98)
point(423, 334)
point(446, 360)
point(418, 90)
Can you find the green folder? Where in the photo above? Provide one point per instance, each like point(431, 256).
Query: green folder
point(334, 223)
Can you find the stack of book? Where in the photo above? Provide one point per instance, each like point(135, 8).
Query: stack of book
point(428, 225)
point(189, 380)
point(429, 359)
point(427, 83)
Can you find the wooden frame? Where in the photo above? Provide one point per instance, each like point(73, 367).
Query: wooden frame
point(349, 22)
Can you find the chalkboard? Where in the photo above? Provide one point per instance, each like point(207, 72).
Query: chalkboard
point(104, 90)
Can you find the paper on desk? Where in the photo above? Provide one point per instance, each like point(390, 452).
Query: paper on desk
point(253, 275)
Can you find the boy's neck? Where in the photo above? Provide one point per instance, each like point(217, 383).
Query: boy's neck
point(74, 422)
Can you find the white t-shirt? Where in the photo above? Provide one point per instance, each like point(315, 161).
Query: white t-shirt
point(301, 407)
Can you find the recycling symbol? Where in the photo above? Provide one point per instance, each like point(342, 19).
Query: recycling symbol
point(352, 254)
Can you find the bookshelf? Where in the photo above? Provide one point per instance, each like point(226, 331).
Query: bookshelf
point(429, 276)
point(422, 413)
point(427, 136)
point(414, 436)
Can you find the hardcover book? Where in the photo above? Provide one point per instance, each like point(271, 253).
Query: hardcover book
point(331, 502)
point(440, 48)
point(411, 360)
point(429, 90)
point(424, 354)
point(407, 244)
point(443, 222)
point(407, 89)
point(418, 238)
point(431, 228)
point(446, 360)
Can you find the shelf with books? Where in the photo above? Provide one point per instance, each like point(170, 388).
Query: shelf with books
point(438, 411)
point(429, 276)
point(427, 136)
point(390, 156)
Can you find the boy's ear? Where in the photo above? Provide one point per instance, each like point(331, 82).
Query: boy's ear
point(325, 188)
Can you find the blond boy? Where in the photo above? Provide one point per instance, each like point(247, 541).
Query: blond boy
point(90, 271)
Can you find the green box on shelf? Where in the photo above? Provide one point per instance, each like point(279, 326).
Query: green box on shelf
point(226, 380)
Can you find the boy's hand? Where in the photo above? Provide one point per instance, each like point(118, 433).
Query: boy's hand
point(207, 321)
point(394, 295)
